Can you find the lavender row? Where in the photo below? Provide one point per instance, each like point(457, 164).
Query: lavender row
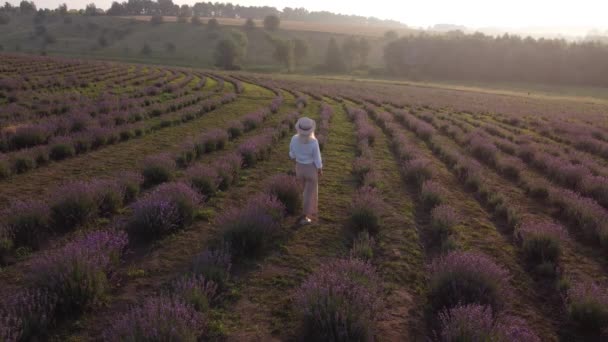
point(326, 112)
point(540, 241)
point(63, 147)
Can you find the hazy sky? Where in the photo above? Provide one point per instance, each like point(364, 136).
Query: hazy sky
point(471, 13)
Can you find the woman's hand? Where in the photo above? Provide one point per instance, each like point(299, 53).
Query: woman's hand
point(320, 172)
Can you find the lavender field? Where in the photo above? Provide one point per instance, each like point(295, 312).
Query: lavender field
point(150, 203)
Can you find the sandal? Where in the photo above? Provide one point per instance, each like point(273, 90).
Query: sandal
point(305, 221)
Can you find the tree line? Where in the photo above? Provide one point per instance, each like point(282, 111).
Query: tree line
point(507, 58)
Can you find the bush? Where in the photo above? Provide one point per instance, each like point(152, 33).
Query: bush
point(587, 305)
point(131, 183)
point(366, 210)
point(168, 208)
point(77, 272)
point(29, 136)
point(443, 220)
point(228, 168)
point(213, 24)
point(541, 241)
point(235, 129)
point(74, 204)
point(287, 190)
point(255, 149)
point(29, 314)
point(156, 20)
point(363, 247)
point(461, 278)
point(340, 301)
point(204, 179)
point(27, 222)
point(432, 194)
point(62, 148)
point(110, 196)
point(24, 163)
point(5, 168)
point(272, 22)
point(361, 167)
point(158, 319)
point(477, 323)
point(250, 228)
point(158, 169)
point(214, 265)
point(417, 171)
point(483, 149)
point(196, 291)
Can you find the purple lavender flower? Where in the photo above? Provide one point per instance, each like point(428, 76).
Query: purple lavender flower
point(467, 278)
point(168, 208)
point(214, 264)
point(541, 240)
point(340, 301)
point(158, 319)
point(73, 204)
point(76, 273)
point(27, 222)
point(588, 306)
point(196, 291)
point(475, 322)
point(432, 193)
point(204, 179)
point(251, 227)
point(287, 190)
point(366, 210)
point(443, 218)
point(158, 169)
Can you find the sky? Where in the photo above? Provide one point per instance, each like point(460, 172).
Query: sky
point(424, 13)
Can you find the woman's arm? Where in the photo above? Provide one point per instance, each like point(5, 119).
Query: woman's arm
point(292, 153)
point(316, 154)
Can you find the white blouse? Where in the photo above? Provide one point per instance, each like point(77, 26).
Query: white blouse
point(305, 153)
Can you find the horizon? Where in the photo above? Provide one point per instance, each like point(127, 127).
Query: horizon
point(563, 18)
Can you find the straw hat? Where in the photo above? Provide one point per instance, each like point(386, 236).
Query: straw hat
point(305, 126)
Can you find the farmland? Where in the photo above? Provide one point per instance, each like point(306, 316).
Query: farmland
point(137, 196)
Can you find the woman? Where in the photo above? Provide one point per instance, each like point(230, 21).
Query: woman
point(304, 149)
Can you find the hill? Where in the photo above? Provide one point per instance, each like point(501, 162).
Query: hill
point(174, 43)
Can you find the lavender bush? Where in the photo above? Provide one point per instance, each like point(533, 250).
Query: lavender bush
point(541, 241)
point(432, 193)
point(158, 169)
point(228, 169)
point(340, 301)
point(196, 291)
point(168, 208)
point(363, 247)
point(366, 210)
point(214, 265)
point(5, 167)
point(475, 322)
point(588, 306)
point(131, 183)
point(158, 319)
point(287, 190)
point(29, 313)
point(467, 278)
point(443, 219)
point(250, 228)
point(27, 222)
point(74, 204)
point(235, 129)
point(77, 272)
point(61, 148)
point(110, 196)
point(204, 179)
point(417, 171)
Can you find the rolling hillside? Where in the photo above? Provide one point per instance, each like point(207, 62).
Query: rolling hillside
point(172, 43)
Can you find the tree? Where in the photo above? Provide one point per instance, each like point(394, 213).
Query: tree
point(391, 35)
point(213, 24)
point(364, 50)
point(156, 20)
point(272, 22)
point(185, 11)
point(196, 20)
point(228, 54)
point(333, 58)
point(350, 52)
point(90, 10)
point(26, 7)
point(62, 9)
point(116, 9)
point(300, 50)
point(249, 24)
point(284, 53)
point(146, 50)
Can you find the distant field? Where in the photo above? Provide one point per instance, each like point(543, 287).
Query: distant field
point(358, 30)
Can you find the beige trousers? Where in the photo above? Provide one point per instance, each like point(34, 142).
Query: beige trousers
point(307, 175)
